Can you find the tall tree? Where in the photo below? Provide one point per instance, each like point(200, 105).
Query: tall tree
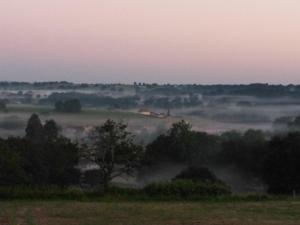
point(282, 165)
point(34, 130)
point(68, 106)
point(60, 158)
point(51, 130)
point(175, 145)
point(3, 105)
point(114, 151)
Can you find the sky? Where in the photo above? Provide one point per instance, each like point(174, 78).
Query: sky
point(163, 41)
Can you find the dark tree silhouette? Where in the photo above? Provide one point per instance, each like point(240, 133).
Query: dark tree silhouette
point(114, 151)
point(34, 130)
point(51, 130)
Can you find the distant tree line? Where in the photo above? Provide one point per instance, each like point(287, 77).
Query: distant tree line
point(68, 106)
point(275, 160)
point(256, 89)
point(174, 102)
point(3, 103)
point(41, 158)
point(44, 158)
point(61, 99)
point(93, 100)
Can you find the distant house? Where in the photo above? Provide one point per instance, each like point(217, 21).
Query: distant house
point(147, 112)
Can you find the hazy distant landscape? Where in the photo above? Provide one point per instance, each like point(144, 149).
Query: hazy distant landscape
point(212, 109)
point(151, 110)
point(136, 112)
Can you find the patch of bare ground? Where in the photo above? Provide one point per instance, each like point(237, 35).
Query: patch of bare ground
point(4, 220)
point(21, 216)
point(39, 217)
point(236, 222)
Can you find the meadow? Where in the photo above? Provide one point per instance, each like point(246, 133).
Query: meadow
point(149, 213)
point(136, 122)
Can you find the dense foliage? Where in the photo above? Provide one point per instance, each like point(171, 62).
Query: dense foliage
point(92, 100)
point(181, 144)
point(68, 106)
point(282, 164)
point(197, 174)
point(113, 150)
point(44, 158)
point(41, 158)
point(256, 89)
point(186, 189)
point(274, 160)
point(3, 106)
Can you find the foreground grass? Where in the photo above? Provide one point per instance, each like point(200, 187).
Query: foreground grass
point(149, 213)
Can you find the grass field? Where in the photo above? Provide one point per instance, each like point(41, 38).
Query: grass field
point(85, 112)
point(149, 213)
point(87, 117)
point(92, 116)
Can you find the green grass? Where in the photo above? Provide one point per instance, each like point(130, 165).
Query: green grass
point(29, 109)
point(150, 213)
point(92, 112)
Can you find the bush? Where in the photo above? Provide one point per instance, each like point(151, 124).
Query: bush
point(186, 189)
point(123, 192)
point(92, 178)
point(68, 106)
point(197, 174)
point(27, 192)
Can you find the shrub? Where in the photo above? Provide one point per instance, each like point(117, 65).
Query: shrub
point(27, 192)
point(186, 189)
point(92, 177)
point(197, 174)
point(68, 106)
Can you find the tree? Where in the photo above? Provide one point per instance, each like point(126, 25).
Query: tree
point(245, 151)
point(51, 130)
point(68, 106)
point(282, 165)
point(50, 159)
point(34, 130)
point(3, 103)
point(12, 163)
point(113, 151)
point(182, 144)
point(60, 159)
point(197, 174)
point(59, 106)
point(176, 145)
point(72, 106)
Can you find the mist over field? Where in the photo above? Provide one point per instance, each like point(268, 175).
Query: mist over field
point(150, 110)
point(210, 113)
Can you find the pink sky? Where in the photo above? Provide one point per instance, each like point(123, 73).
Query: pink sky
point(176, 41)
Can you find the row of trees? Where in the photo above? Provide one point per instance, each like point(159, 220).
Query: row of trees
point(43, 157)
point(92, 100)
point(3, 104)
point(275, 160)
point(68, 106)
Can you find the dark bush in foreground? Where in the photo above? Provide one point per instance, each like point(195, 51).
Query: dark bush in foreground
point(186, 188)
point(92, 178)
point(282, 165)
point(197, 174)
point(28, 193)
